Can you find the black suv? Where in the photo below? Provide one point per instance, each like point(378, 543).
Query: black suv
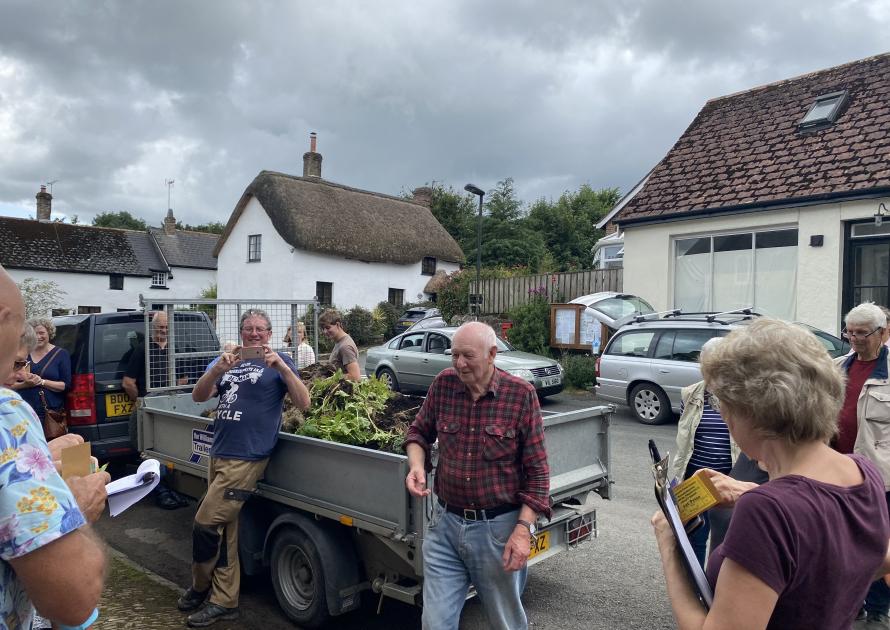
point(414, 315)
point(100, 346)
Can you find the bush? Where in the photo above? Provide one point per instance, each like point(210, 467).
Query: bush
point(580, 370)
point(385, 317)
point(531, 326)
point(454, 297)
point(359, 323)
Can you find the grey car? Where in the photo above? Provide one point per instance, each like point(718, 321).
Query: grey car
point(649, 361)
point(409, 362)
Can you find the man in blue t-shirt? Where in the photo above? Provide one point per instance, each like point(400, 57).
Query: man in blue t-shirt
point(251, 397)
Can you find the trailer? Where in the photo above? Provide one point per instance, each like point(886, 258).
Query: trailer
point(333, 521)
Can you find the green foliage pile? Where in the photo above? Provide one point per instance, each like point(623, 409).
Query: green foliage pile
point(531, 325)
point(353, 413)
point(359, 323)
point(580, 370)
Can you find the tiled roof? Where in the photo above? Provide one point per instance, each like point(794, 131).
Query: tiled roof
point(745, 150)
point(187, 249)
point(51, 246)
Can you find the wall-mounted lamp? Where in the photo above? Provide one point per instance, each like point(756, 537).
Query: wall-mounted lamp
point(880, 214)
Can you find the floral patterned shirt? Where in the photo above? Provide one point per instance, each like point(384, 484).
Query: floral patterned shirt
point(36, 507)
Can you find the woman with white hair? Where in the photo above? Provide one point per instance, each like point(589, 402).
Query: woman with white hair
point(803, 548)
point(863, 420)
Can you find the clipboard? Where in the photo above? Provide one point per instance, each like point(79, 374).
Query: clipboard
point(660, 468)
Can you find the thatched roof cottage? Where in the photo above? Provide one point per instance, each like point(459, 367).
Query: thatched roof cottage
point(295, 237)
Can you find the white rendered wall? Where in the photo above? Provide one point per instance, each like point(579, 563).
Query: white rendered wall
point(287, 274)
point(86, 289)
point(648, 255)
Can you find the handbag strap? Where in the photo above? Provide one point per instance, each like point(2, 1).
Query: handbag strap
point(52, 358)
point(43, 399)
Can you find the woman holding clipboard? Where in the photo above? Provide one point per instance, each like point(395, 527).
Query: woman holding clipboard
point(801, 549)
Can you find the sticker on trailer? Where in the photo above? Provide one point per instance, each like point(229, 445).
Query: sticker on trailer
point(202, 440)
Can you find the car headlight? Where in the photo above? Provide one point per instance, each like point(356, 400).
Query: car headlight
point(523, 374)
point(561, 369)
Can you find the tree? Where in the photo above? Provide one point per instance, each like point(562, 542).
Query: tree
point(41, 297)
point(214, 227)
point(457, 214)
point(122, 219)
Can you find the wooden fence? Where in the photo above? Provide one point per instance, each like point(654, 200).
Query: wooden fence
point(499, 295)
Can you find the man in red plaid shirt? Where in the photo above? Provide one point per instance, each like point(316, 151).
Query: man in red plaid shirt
point(492, 481)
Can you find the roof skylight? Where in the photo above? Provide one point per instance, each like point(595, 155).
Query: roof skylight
point(824, 111)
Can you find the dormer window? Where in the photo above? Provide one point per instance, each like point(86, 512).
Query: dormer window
point(824, 111)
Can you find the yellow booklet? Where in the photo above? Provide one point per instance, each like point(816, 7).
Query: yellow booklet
point(694, 496)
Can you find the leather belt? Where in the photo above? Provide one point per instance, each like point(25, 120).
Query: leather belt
point(478, 514)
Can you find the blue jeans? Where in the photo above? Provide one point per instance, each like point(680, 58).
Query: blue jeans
point(457, 553)
point(878, 598)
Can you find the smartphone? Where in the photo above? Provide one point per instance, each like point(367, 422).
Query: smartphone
point(253, 352)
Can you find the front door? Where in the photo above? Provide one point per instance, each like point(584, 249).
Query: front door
point(868, 268)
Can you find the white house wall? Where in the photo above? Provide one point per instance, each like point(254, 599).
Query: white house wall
point(86, 289)
point(648, 254)
point(288, 274)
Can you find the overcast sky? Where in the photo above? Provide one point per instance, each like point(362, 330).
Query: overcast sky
point(113, 98)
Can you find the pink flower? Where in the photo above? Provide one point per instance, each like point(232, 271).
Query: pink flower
point(8, 528)
point(33, 460)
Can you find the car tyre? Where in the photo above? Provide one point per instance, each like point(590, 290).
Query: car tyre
point(388, 376)
point(650, 404)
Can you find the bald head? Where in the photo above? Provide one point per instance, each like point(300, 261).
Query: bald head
point(12, 320)
point(473, 350)
point(159, 327)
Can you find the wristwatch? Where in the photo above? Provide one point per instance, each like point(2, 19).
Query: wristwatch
point(528, 525)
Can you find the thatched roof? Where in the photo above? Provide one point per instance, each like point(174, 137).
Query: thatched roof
point(316, 215)
point(437, 282)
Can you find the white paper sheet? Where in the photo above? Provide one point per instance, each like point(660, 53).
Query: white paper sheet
point(124, 492)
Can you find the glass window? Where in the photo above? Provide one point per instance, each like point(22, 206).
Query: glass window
point(862, 230)
point(665, 345)
point(437, 344)
point(394, 344)
point(396, 297)
point(413, 343)
point(825, 110)
point(254, 247)
point(733, 272)
point(114, 343)
point(324, 293)
point(428, 266)
point(86, 310)
point(620, 306)
point(692, 274)
point(116, 281)
point(159, 279)
point(632, 344)
point(688, 343)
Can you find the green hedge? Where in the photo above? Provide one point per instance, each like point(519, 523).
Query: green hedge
point(531, 326)
point(580, 370)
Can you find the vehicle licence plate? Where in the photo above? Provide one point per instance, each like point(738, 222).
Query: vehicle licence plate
point(118, 404)
point(549, 382)
point(540, 545)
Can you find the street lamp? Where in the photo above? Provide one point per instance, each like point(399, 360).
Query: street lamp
point(475, 190)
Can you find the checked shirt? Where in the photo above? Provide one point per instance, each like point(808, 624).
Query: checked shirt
point(491, 451)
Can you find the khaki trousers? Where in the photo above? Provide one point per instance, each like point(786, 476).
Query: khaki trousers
point(230, 482)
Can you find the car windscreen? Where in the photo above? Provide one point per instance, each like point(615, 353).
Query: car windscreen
point(620, 306)
point(413, 315)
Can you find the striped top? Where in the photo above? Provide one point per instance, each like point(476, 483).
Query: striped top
point(711, 446)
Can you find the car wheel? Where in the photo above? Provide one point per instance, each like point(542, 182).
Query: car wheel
point(650, 404)
point(388, 376)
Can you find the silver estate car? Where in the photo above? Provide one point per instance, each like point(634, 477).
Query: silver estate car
point(409, 362)
point(648, 362)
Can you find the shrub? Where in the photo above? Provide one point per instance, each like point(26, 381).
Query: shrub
point(385, 317)
point(531, 326)
point(454, 297)
point(580, 370)
point(359, 323)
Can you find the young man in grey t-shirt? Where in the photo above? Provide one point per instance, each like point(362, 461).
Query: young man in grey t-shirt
point(345, 353)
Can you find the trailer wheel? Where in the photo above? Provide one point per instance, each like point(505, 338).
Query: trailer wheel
point(298, 579)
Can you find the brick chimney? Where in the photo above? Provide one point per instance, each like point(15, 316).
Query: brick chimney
point(169, 223)
point(424, 195)
point(312, 159)
point(44, 204)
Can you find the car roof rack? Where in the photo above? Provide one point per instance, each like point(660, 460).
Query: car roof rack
point(724, 317)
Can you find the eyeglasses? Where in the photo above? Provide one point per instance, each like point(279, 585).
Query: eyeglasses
point(846, 334)
point(20, 364)
point(259, 331)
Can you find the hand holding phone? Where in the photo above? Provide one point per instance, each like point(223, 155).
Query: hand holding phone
point(252, 352)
